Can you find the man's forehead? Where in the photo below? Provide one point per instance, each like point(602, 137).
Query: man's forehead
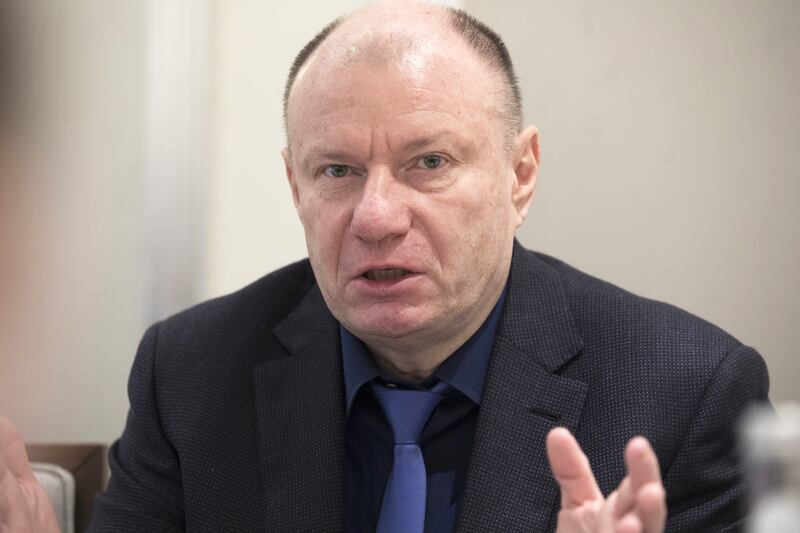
point(397, 138)
point(403, 33)
point(397, 103)
point(414, 72)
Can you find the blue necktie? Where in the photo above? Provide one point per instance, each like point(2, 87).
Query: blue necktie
point(407, 411)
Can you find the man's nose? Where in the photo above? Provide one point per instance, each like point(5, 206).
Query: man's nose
point(382, 210)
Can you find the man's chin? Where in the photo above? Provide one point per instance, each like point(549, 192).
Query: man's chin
point(389, 326)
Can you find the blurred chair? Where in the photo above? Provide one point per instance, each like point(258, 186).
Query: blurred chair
point(59, 484)
point(71, 474)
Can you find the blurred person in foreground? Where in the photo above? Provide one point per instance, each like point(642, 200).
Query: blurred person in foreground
point(24, 505)
point(422, 371)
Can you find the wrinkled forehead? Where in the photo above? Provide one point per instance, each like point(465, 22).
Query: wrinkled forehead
point(406, 66)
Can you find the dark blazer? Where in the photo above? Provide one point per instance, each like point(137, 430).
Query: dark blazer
point(236, 418)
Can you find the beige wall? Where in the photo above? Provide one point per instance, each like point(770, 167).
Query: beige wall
point(670, 134)
point(252, 226)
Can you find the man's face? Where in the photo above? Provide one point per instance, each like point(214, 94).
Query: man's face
point(403, 181)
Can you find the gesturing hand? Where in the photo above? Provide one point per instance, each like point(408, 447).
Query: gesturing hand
point(24, 507)
point(638, 505)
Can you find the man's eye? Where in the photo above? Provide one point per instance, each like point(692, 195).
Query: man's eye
point(431, 161)
point(336, 171)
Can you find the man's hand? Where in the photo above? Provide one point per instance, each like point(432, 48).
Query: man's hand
point(24, 507)
point(638, 505)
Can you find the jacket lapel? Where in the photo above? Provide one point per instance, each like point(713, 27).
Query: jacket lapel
point(300, 423)
point(300, 413)
point(509, 487)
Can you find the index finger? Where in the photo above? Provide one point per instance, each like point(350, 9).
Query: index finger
point(571, 469)
point(12, 449)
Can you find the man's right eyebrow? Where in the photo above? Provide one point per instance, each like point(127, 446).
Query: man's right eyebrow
point(315, 158)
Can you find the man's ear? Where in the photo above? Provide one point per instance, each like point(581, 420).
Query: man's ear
point(287, 162)
point(526, 168)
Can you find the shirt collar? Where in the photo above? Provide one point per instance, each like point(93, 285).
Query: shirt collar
point(465, 370)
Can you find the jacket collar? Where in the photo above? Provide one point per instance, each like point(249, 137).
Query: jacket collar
point(509, 486)
point(301, 412)
point(300, 423)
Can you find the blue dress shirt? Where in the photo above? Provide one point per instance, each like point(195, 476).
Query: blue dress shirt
point(446, 440)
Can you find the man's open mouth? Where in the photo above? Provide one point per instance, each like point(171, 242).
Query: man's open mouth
point(385, 274)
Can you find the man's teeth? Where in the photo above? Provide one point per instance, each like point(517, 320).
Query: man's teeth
point(385, 274)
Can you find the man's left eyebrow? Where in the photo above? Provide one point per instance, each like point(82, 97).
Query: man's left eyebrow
point(424, 142)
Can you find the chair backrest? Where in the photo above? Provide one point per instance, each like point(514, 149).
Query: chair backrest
point(86, 463)
point(59, 484)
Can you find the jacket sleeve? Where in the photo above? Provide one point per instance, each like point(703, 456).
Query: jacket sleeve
point(706, 489)
point(144, 492)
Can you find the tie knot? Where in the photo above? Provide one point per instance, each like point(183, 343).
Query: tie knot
point(408, 410)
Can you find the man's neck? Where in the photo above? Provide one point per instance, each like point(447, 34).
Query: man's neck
point(416, 367)
point(415, 358)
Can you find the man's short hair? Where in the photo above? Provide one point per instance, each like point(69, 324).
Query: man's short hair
point(478, 36)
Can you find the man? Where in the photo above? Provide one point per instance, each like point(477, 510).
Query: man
point(419, 370)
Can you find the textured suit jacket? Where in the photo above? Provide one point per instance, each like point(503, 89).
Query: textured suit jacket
point(236, 418)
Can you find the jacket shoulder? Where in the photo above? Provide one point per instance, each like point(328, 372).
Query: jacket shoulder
point(266, 301)
point(232, 330)
point(604, 312)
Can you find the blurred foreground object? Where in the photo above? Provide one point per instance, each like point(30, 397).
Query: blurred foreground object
point(772, 445)
point(17, 192)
